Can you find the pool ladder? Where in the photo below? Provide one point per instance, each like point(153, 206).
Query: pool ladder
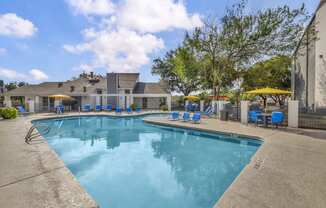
point(42, 129)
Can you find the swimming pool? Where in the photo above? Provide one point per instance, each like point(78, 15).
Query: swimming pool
point(124, 162)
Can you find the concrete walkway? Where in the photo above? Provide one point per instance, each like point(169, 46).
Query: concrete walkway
point(288, 170)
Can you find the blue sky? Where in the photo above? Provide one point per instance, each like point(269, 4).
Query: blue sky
point(46, 40)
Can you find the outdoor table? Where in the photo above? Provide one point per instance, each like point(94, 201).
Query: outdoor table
point(266, 116)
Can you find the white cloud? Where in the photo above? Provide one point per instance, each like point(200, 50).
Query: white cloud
point(92, 7)
point(123, 39)
point(84, 68)
point(149, 16)
point(12, 25)
point(11, 74)
point(3, 51)
point(38, 75)
point(33, 75)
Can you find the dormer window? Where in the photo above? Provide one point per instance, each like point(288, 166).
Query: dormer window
point(72, 88)
point(60, 84)
point(84, 89)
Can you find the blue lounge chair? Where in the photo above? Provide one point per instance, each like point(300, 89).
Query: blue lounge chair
point(277, 118)
point(108, 107)
point(21, 109)
point(98, 108)
point(86, 108)
point(118, 110)
point(138, 109)
point(59, 109)
point(209, 111)
point(186, 117)
point(174, 116)
point(129, 110)
point(255, 117)
point(196, 118)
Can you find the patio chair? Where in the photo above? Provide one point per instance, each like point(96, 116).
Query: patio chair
point(255, 117)
point(98, 108)
point(86, 108)
point(186, 117)
point(22, 110)
point(118, 110)
point(174, 116)
point(209, 111)
point(138, 110)
point(59, 109)
point(196, 118)
point(108, 107)
point(277, 118)
point(129, 110)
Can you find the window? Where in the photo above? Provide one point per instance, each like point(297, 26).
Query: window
point(72, 88)
point(127, 91)
point(98, 91)
point(60, 84)
point(84, 89)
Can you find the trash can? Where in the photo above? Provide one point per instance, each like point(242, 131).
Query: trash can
point(224, 115)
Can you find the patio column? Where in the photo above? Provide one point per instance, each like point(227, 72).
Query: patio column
point(202, 102)
point(186, 104)
point(168, 102)
point(57, 102)
point(293, 111)
point(244, 112)
point(7, 101)
point(37, 103)
point(31, 105)
point(97, 100)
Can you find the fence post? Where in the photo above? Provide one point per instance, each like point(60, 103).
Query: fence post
point(186, 105)
point(202, 105)
point(293, 113)
point(244, 112)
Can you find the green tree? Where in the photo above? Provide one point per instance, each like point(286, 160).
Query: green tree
point(11, 86)
point(180, 69)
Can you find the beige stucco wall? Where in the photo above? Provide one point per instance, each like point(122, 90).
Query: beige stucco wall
point(320, 85)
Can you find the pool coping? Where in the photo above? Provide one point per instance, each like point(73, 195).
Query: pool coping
point(250, 189)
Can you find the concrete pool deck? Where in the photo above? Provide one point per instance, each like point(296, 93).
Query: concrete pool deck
point(288, 170)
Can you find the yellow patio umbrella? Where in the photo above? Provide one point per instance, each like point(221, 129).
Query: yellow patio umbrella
point(263, 92)
point(268, 91)
point(61, 97)
point(191, 98)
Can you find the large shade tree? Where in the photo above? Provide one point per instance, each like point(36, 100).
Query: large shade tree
point(180, 69)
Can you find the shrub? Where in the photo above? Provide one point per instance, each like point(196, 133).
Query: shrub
point(133, 106)
point(8, 113)
point(164, 108)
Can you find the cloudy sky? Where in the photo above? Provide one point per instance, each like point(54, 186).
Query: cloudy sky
point(47, 40)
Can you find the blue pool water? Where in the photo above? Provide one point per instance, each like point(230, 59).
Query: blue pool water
point(124, 162)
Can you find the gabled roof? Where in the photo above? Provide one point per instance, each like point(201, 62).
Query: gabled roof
point(51, 88)
point(148, 88)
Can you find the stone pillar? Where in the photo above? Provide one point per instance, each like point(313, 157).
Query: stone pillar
point(37, 103)
point(168, 102)
point(293, 113)
point(202, 102)
point(31, 105)
point(186, 104)
point(97, 100)
point(244, 111)
point(7, 101)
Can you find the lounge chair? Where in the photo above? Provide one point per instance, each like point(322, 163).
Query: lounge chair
point(59, 109)
point(108, 107)
point(86, 108)
point(277, 118)
point(255, 117)
point(98, 108)
point(22, 110)
point(129, 110)
point(196, 118)
point(174, 116)
point(186, 117)
point(138, 110)
point(209, 111)
point(118, 110)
